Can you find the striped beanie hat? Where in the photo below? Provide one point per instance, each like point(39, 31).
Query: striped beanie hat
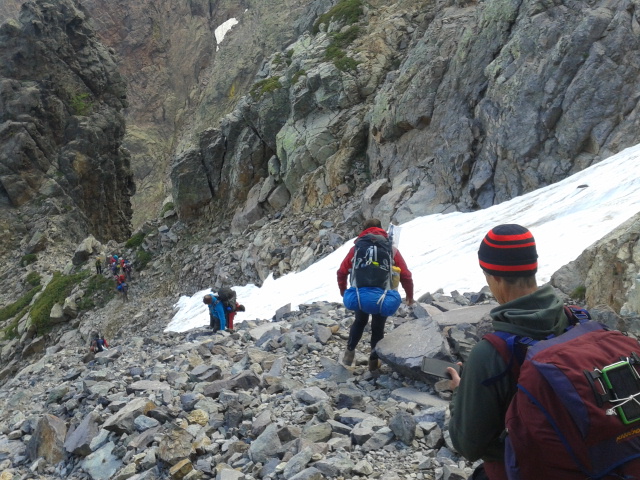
point(508, 251)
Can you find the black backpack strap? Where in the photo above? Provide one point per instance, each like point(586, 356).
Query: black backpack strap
point(576, 314)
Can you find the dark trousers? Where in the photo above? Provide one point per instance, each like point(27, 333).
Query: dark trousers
point(377, 330)
point(214, 322)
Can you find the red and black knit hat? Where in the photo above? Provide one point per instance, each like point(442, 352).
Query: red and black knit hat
point(508, 251)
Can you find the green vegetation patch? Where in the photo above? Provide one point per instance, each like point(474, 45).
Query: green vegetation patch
point(142, 259)
point(340, 59)
point(346, 64)
point(579, 293)
point(57, 290)
point(297, 75)
point(137, 239)
point(80, 104)
point(345, 11)
point(19, 305)
point(264, 86)
point(168, 206)
point(10, 331)
point(335, 51)
point(98, 292)
point(28, 259)
point(345, 38)
point(33, 279)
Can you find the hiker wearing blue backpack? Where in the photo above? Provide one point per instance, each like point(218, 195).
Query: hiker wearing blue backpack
point(523, 402)
point(370, 265)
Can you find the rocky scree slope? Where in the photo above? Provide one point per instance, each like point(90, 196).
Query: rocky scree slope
point(268, 401)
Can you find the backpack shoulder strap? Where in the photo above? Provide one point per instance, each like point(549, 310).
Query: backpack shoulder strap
point(513, 348)
point(506, 344)
point(576, 314)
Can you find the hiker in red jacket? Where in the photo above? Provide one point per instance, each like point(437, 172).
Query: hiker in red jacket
point(232, 314)
point(361, 318)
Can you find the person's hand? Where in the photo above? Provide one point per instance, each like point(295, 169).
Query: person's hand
point(455, 377)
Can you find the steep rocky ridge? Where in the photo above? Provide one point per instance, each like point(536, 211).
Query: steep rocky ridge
point(63, 171)
point(179, 78)
point(452, 106)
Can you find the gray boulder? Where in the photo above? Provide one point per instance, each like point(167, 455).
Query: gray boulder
point(404, 347)
point(47, 440)
point(78, 442)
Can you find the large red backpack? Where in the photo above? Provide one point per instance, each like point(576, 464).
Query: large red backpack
point(576, 410)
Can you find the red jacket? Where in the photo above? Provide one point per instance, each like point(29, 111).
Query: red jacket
point(405, 275)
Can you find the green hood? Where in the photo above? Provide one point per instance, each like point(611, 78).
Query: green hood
point(536, 315)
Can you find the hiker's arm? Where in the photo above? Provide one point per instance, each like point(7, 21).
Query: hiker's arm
point(406, 278)
point(477, 411)
point(343, 271)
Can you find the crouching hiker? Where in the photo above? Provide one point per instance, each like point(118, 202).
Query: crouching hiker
point(222, 309)
point(216, 312)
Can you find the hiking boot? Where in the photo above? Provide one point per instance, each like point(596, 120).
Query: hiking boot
point(347, 358)
point(374, 364)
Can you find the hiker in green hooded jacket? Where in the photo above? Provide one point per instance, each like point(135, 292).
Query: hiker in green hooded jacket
point(508, 258)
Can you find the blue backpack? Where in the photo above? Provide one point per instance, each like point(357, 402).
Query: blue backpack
point(371, 277)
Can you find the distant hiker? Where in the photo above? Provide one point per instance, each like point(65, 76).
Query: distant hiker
point(98, 266)
point(216, 312)
point(128, 270)
point(222, 309)
point(555, 428)
point(123, 288)
point(231, 306)
point(98, 343)
point(374, 250)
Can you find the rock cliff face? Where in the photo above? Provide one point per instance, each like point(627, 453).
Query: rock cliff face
point(63, 171)
point(416, 108)
point(181, 78)
point(607, 272)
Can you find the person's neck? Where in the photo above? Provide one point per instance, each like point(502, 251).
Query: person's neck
point(514, 292)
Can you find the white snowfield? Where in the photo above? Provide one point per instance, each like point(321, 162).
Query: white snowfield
point(222, 29)
point(441, 250)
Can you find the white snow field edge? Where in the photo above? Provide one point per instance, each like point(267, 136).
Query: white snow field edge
point(441, 250)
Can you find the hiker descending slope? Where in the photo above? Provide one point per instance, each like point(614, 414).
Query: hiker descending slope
point(98, 343)
point(122, 287)
point(532, 400)
point(372, 265)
